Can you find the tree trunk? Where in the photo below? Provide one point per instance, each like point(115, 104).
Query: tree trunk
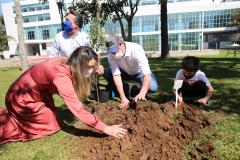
point(21, 44)
point(164, 30)
point(130, 30)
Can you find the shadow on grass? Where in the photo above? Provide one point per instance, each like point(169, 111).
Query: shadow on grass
point(82, 132)
point(68, 119)
point(222, 73)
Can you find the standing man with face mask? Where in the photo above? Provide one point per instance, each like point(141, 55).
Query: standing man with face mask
point(128, 61)
point(71, 38)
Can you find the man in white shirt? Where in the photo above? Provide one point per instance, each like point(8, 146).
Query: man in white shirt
point(195, 82)
point(128, 61)
point(71, 38)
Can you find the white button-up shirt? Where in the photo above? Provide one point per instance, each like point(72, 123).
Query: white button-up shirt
point(64, 44)
point(134, 61)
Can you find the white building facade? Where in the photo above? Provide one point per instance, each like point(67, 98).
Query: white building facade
point(41, 22)
point(192, 24)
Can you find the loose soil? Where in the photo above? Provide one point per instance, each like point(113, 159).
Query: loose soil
point(155, 131)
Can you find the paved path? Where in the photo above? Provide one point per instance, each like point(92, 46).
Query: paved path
point(15, 61)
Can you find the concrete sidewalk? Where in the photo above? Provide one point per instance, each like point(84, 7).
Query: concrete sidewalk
point(15, 61)
point(193, 53)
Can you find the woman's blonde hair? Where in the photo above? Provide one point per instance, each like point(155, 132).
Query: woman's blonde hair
point(78, 62)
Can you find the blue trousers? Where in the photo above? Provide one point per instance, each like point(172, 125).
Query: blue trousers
point(126, 77)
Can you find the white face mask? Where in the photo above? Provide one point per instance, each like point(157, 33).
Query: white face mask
point(87, 72)
point(119, 55)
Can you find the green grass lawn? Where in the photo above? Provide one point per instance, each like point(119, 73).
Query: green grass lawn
point(224, 75)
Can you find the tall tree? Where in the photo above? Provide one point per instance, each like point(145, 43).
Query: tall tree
point(21, 44)
point(235, 21)
point(97, 38)
point(3, 36)
point(164, 29)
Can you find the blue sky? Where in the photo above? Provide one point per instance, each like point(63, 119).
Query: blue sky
point(3, 1)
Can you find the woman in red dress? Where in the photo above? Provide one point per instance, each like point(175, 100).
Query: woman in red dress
point(30, 111)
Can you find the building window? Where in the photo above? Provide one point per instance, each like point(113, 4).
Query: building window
point(46, 16)
point(39, 8)
point(59, 30)
point(35, 18)
point(45, 7)
point(218, 18)
point(44, 46)
point(30, 35)
point(45, 34)
point(33, 7)
point(24, 10)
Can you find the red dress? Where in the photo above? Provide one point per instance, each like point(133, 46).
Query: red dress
point(30, 112)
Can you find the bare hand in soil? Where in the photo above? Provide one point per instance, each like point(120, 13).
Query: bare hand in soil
point(139, 97)
point(203, 100)
point(180, 99)
point(124, 103)
point(115, 131)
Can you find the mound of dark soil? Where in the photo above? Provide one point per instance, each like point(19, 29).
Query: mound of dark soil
point(155, 131)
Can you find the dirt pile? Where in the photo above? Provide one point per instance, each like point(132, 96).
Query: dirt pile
point(204, 151)
point(155, 131)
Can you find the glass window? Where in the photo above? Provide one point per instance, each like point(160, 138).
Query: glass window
point(219, 18)
point(173, 42)
point(185, 21)
point(46, 16)
point(39, 8)
point(30, 35)
point(59, 30)
point(45, 34)
point(45, 7)
point(24, 10)
point(148, 2)
point(174, 1)
point(149, 42)
point(190, 41)
point(25, 19)
point(34, 18)
point(40, 18)
point(44, 46)
point(31, 9)
point(150, 23)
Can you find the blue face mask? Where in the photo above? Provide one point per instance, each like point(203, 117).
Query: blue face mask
point(67, 26)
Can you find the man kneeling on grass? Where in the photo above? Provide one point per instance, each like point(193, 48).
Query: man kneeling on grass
point(195, 82)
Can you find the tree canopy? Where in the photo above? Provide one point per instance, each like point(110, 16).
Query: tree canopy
point(3, 36)
point(110, 9)
point(235, 22)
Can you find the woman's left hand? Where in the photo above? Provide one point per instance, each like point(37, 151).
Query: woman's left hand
point(100, 70)
point(116, 131)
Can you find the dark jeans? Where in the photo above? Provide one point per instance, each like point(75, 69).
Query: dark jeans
point(126, 77)
point(197, 89)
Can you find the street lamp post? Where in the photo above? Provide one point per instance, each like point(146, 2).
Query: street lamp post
point(60, 4)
